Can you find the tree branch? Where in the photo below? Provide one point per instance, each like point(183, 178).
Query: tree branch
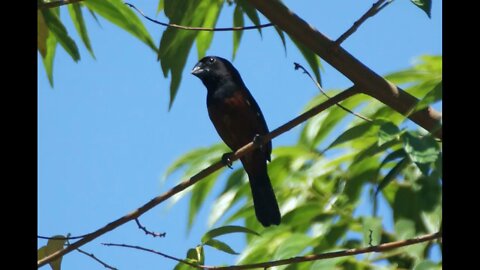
point(202, 174)
point(97, 259)
point(299, 259)
point(144, 229)
point(368, 81)
point(195, 28)
point(298, 66)
point(370, 13)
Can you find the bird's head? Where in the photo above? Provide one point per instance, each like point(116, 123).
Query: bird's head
point(214, 71)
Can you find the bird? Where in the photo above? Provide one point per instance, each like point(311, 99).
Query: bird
point(238, 120)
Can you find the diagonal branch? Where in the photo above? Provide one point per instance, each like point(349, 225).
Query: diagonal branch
point(367, 80)
point(379, 5)
point(202, 174)
point(299, 259)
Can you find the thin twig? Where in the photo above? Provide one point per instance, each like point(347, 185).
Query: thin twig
point(143, 228)
point(194, 28)
point(97, 259)
point(202, 174)
point(151, 251)
point(297, 66)
point(54, 4)
point(313, 257)
point(379, 5)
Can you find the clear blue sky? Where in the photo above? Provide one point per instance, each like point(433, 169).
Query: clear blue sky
point(106, 137)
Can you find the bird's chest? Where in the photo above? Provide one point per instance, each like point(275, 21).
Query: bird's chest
point(231, 116)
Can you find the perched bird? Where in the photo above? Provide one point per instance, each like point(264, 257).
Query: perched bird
point(238, 119)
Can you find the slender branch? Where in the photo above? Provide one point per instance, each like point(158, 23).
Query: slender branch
point(379, 5)
point(298, 66)
point(202, 174)
point(154, 234)
point(299, 259)
point(152, 251)
point(367, 80)
point(97, 259)
point(54, 4)
point(194, 28)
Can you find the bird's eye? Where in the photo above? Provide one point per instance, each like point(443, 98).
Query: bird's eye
point(211, 60)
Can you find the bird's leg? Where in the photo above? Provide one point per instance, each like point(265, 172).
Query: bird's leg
point(227, 159)
point(258, 141)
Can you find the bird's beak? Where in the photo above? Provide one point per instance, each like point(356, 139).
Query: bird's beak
point(198, 69)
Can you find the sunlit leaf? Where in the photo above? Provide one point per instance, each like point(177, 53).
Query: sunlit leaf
point(372, 230)
point(204, 38)
point(79, 23)
point(225, 230)
point(53, 245)
point(56, 27)
point(121, 15)
point(217, 244)
point(431, 97)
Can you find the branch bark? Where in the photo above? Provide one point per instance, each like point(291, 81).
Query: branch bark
point(370, 82)
point(202, 174)
point(314, 257)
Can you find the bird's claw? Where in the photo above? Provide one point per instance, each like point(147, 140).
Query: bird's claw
point(227, 159)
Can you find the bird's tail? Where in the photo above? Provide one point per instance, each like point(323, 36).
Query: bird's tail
point(264, 201)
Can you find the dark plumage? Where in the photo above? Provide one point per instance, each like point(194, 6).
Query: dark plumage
point(237, 119)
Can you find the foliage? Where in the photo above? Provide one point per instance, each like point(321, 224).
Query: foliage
point(319, 184)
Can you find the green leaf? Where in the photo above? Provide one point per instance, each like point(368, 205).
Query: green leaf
point(282, 37)
point(355, 132)
point(56, 27)
point(427, 265)
point(53, 245)
point(47, 51)
point(251, 13)
point(42, 35)
point(77, 19)
point(292, 246)
point(237, 35)
point(388, 131)
point(372, 230)
point(320, 126)
point(161, 4)
point(200, 192)
point(312, 59)
point(121, 15)
point(392, 174)
point(425, 5)
point(228, 197)
point(405, 229)
point(204, 38)
point(175, 44)
point(329, 263)
point(423, 150)
point(220, 246)
point(431, 97)
point(225, 230)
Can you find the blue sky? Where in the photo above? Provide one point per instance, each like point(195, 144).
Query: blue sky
point(106, 136)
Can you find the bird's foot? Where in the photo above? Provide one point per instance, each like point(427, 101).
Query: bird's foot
point(227, 159)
